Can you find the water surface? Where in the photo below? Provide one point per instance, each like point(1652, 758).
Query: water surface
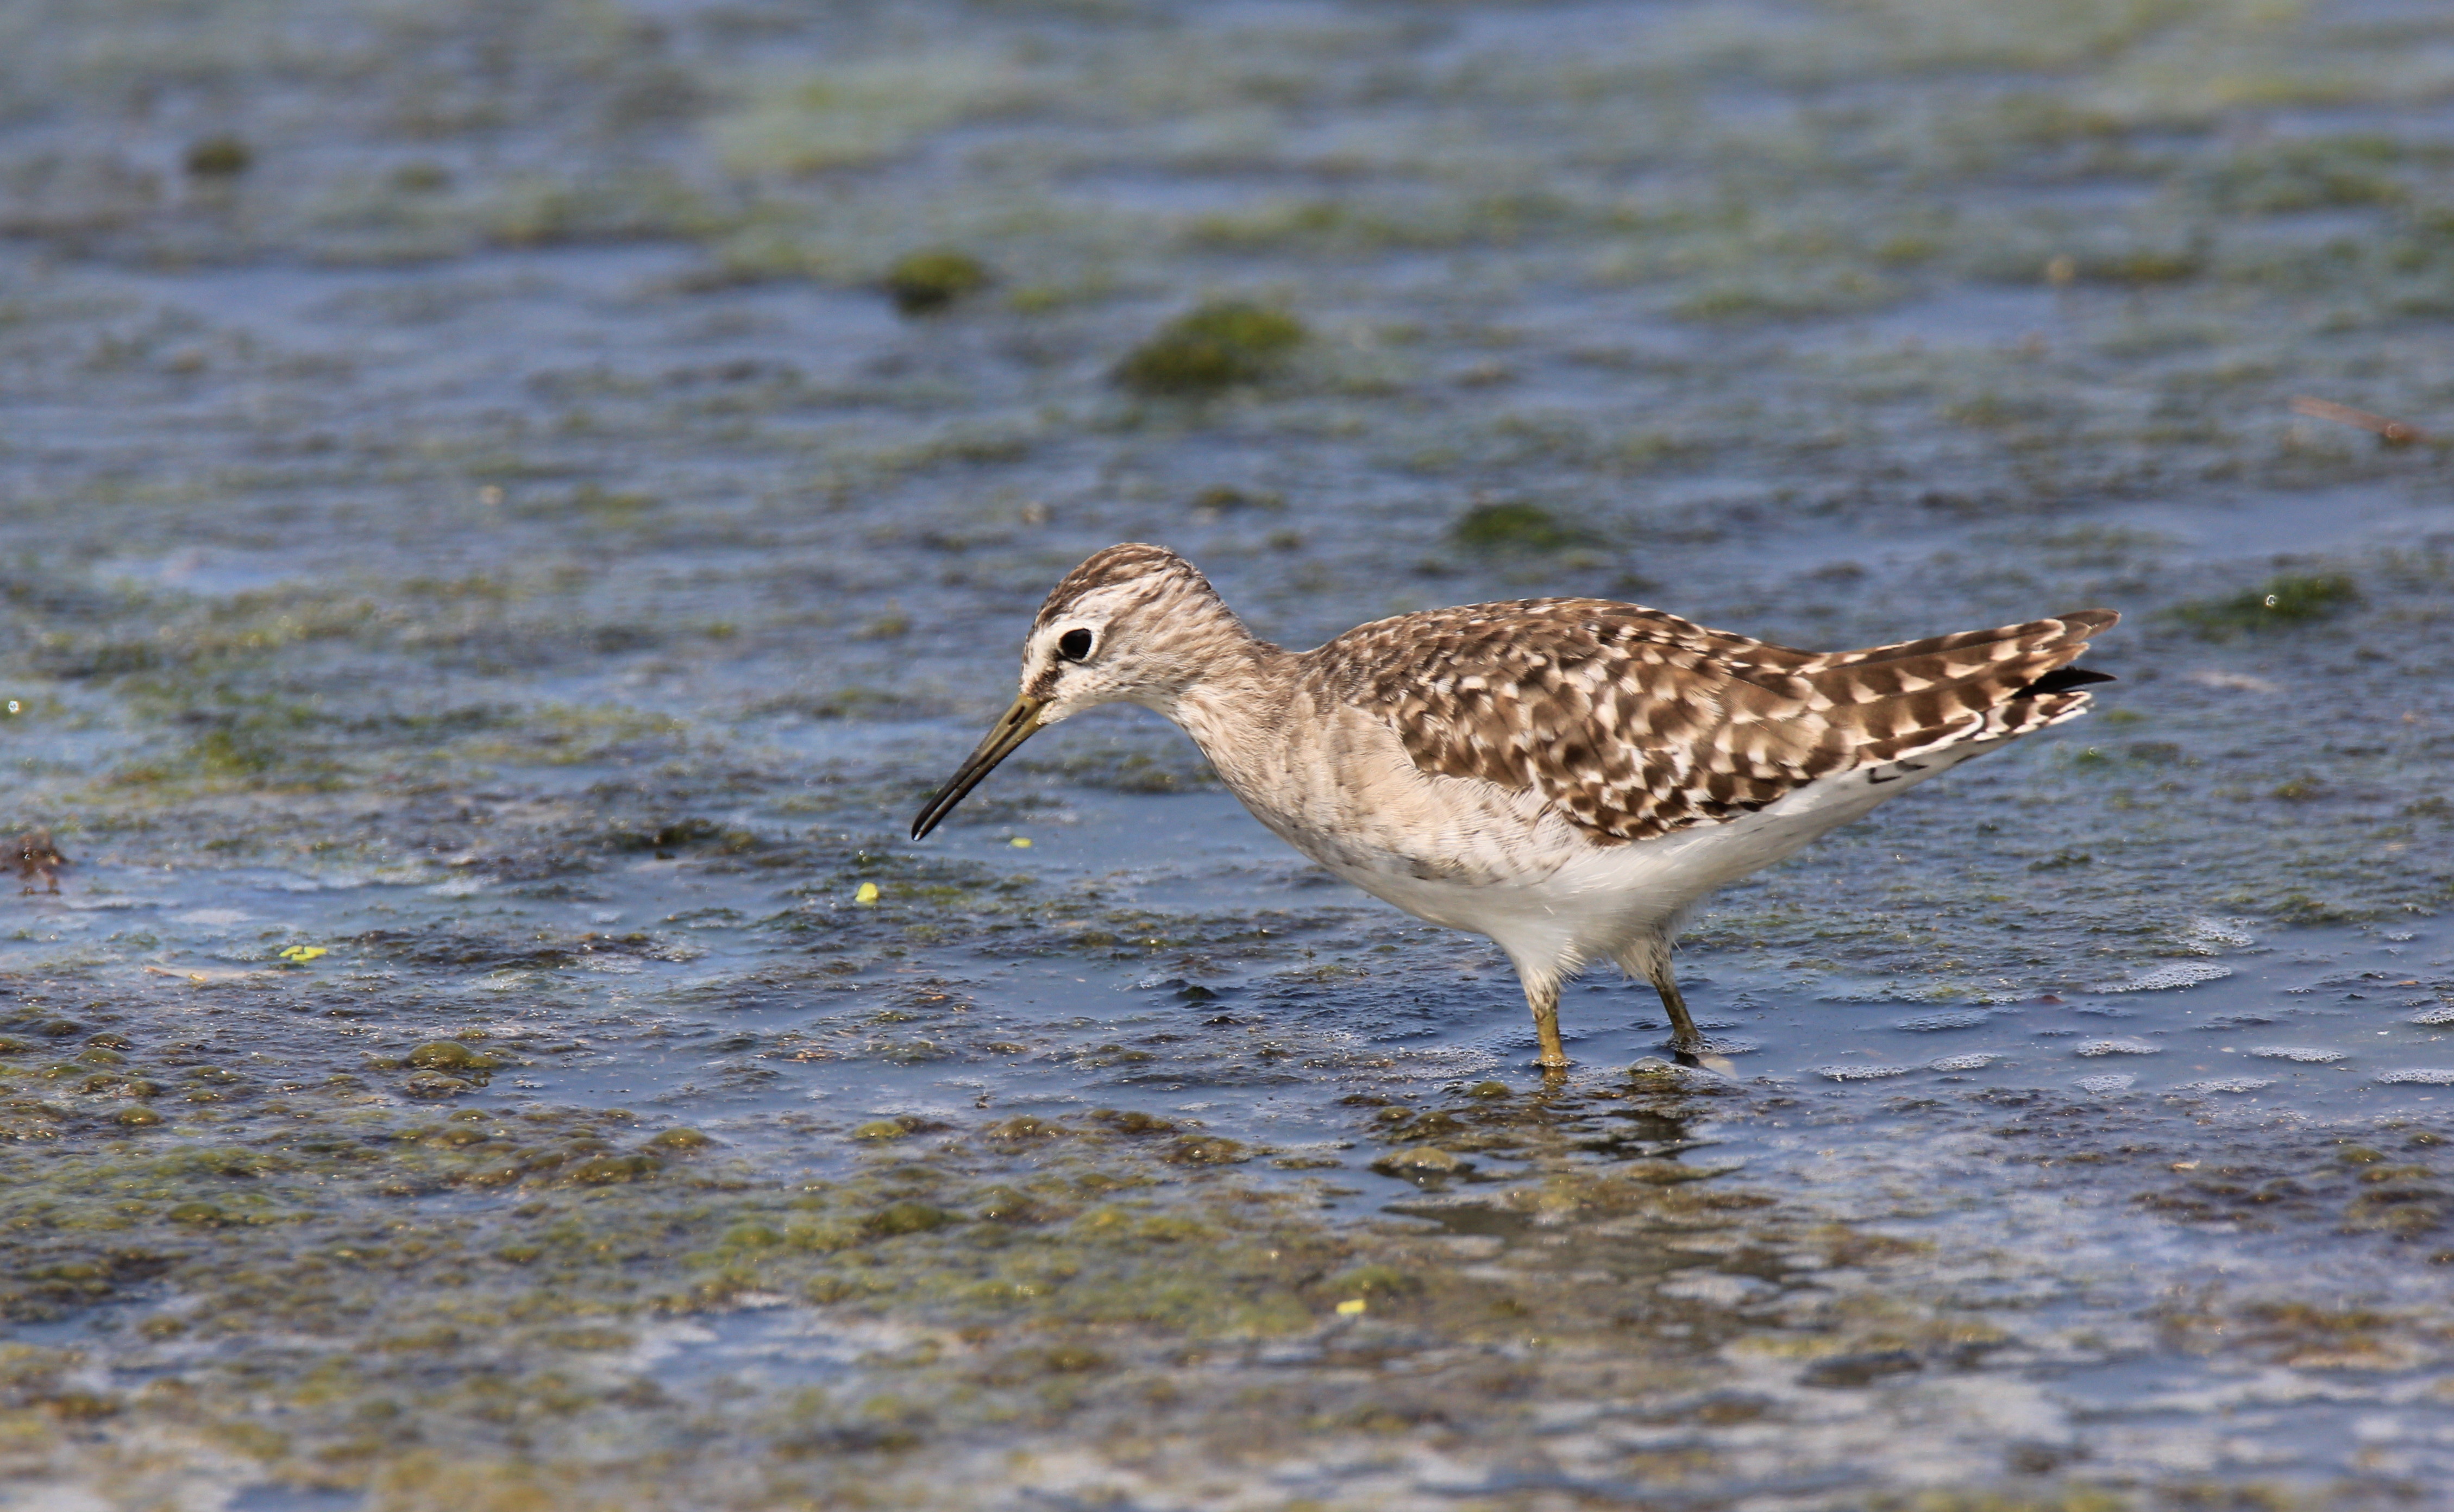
point(488, 584)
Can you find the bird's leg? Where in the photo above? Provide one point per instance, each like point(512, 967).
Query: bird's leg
point(1543, 998)
point(1683, 1034)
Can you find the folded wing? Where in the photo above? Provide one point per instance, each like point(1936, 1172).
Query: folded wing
point(1635, 723)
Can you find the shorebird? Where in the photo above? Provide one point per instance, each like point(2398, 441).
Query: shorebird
point(1569, 777)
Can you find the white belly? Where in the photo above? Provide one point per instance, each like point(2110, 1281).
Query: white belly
point(1470, 855)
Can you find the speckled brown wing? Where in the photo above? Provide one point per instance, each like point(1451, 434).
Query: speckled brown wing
point(1635, 723)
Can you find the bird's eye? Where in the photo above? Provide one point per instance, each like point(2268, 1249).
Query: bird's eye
point(1073, 644)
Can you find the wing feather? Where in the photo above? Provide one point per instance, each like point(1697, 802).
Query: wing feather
point(1634, 723)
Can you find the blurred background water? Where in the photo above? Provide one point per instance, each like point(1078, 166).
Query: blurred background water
point(509, 506)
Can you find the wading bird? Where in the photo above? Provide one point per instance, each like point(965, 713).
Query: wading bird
point(1567, 776)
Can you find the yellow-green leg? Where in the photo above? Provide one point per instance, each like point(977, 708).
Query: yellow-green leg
point(1543, 998)
point(1683, 1033)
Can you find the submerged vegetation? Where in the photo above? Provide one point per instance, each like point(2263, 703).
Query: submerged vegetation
point(2279, 602)
point(1515, 526)
point(1211, 349)
point(507, 577)
point(219, 157)
point(926, 282)
point(503, 1282)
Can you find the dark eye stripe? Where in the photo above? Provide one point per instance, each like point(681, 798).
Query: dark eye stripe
point(1073, 644)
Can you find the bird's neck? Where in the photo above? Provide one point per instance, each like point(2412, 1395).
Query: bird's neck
point(1236, 695)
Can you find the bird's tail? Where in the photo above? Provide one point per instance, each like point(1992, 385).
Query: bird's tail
point(1902, 701)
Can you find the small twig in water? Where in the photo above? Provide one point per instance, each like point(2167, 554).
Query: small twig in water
point(2389, 432)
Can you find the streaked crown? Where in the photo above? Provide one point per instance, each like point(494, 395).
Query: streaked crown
point(1134, 624)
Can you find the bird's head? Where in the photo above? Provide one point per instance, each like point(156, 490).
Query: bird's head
point(1134, 625)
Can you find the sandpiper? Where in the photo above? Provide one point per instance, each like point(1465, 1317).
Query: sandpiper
point(1567, 776)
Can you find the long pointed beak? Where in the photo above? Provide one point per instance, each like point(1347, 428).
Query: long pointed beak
point(1017, 725)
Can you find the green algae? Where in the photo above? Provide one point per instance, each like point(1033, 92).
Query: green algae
point(1048, 1284)
point(1206, 1150)
point(2328, 172)
point(218, 157)
point(745, 1259)
point(449, 1055)
point(906, 1218)
point(2281, 602)
point(935, 279)
point(1215, 347)
point(1515, 526)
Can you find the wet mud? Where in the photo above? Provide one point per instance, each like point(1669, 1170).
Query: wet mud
point(511, 508)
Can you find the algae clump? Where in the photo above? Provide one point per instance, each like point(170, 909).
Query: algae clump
point(1205, 1150)
point(613, 1170)
point(1213, 348)
point(224, 156)
point(925, 282)
point(906, 1218)
point(2288, 599)
point(449, 1055)
point(1515, 526)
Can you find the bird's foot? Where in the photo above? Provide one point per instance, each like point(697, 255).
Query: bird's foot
point(1696, 1053)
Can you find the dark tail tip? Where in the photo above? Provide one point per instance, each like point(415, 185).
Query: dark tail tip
point(2063, 679)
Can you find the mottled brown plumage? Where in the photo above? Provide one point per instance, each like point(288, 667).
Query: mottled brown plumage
point(1636, 724)
point(1568, 776)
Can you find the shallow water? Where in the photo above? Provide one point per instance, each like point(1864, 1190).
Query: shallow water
point(487, 587)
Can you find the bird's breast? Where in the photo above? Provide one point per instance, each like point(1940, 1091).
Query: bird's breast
point(1335, 783)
